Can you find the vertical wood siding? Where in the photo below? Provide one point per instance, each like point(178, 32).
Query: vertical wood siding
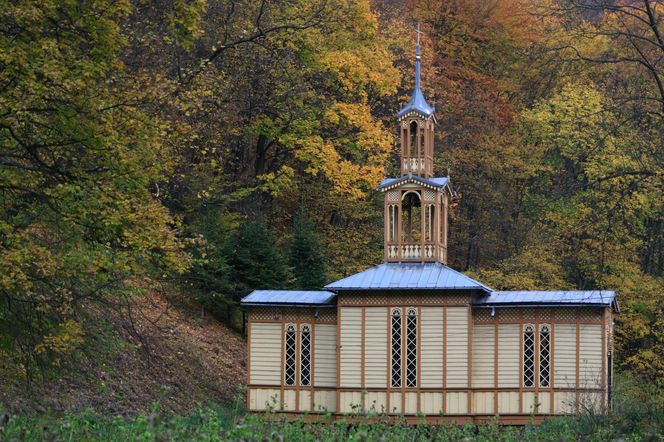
point(325, 401)
point(262, 398)
point(325, 360)
point(564, 367)
point(483, 354)
point(457, 347)
point(431, 358)
point(508, 356)
point(351, 348)
point(265, 354)
point(376, 341)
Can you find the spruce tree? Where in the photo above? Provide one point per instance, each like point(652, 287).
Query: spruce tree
point(306, 253)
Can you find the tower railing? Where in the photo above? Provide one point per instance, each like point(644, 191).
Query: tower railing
point(416, 251)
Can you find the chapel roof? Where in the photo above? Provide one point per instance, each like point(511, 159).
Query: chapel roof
point(289, 298)
point(401, 275)
point(544, 298)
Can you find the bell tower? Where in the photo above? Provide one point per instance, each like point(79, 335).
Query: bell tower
point(417, 202)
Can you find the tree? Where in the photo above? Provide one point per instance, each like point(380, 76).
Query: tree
point(306, 257)
point(80, 219)
point(256, 259)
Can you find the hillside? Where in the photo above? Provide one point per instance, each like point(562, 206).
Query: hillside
point(174, 358)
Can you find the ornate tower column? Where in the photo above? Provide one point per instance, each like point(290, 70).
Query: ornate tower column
point(416, 204)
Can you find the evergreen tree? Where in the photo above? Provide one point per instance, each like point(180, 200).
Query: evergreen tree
point(256, 260)
point(306, 253)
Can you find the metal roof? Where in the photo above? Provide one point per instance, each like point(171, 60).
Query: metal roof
point(417, 103)
point(291, 298)
point(437, 183)
point(604, 298)
point(401, 275)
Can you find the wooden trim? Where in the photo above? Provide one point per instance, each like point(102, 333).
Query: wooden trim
point(312, 362)
point(282, 379)
point(552, 402)
point(444, 360)
point(418, 365)
point(404, 356)
point(389, 358)
point(578, 356)
point(248, 375)
point(521, 360)
point(495, 366)
point(470, 360)
point(338, 408)
point(604, 340)
point(298, 362)
point(363, 347)
point(536, 359)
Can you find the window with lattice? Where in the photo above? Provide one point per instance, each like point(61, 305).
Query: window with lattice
point(411, 347)
point(289, 357)
point(396, 347)
point(528, 355)
point(305, 355)
point(544, 355)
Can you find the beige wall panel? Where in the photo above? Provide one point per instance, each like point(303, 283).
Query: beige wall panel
point(564, 402)
point(351, 353)
point(508, 402)
point(564, 355)
point(431, 403)
point(262, 398)
point(289, 400)
point(483, 355)
point(351, 401)
point(375, 357)
point(376, 401)
point(395, 402)
point(590, 356)
point(544, 401)
point(265, 354)
point(457, 347)
point(411, 403)
point(305, 400)
point(508, 355)
point(325, 355)
point(457, 403)
point(483, 403)
point(431, 357)
point(529, 402)
point(325, 401)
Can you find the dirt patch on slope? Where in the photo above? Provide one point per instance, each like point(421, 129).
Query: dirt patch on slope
point(155, 348)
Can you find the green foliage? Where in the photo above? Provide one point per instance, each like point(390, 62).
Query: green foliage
point(306, 257)
point(79, 159)
point(256, 260)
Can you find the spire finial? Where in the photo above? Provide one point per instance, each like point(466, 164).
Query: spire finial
point(417, 57)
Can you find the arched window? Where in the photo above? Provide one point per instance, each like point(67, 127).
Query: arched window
point(411, 347)
point(413, 139)
point(544, 355)
point(289, 357)
point(428, 222)
point(392, 211)
point(411, 217)
point(529, 355)
point(396, 348)
point(305, 355)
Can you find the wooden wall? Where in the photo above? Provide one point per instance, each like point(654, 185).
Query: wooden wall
point(469, 361)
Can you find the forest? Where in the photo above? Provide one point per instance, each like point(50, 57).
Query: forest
point(212, 147)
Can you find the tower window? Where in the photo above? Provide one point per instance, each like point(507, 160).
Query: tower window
point(411, 217)
point(413, 139)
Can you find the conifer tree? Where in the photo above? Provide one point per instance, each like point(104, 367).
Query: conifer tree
point(306, 253)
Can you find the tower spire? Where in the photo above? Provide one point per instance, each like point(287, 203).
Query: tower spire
point(417, 57)
point(417, 104)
